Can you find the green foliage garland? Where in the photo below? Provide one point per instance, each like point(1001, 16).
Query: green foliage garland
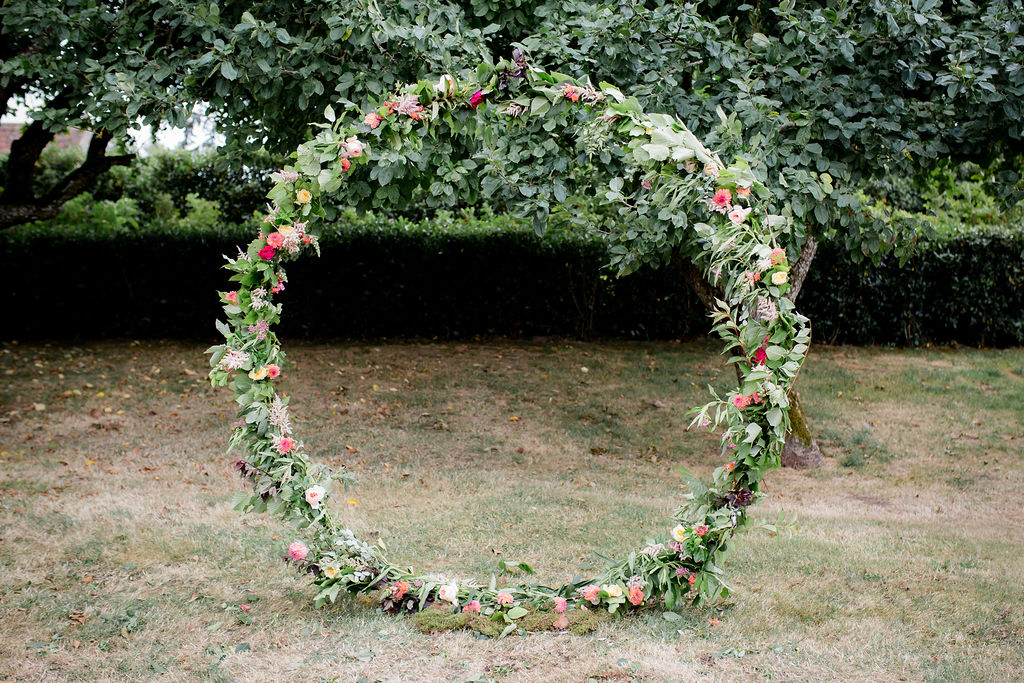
point(666, 182)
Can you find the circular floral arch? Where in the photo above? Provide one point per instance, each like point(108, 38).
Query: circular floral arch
point(677, 185)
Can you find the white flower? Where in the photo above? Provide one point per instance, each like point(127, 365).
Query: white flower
point(653, 550)
point(779, 278)
point(315, 496)
point(449, 593)
point(738, 214)
point(613, 590)
point(679, 533)
point(446, 85)
point(354, 147)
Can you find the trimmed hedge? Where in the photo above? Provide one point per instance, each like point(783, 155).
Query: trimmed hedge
point(464, 276)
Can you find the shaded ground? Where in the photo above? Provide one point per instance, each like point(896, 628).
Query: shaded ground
point(120, 558)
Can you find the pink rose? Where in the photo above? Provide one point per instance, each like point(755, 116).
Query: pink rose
point(298, 550)
point(636, 595)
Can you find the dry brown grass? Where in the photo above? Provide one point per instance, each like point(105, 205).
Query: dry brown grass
point(121, 560)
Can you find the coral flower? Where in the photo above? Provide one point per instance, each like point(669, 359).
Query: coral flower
point(743, 192)
point(570, 92)
point(730, 466)
point(232, 297)
point(592, 593)
point(560, 605)
point(472, 607)
point(740, 401)
point(702, 529)
point(399, 589)
point(722, 200)
point(372, 119)
point(275, 239)
point(273, 371)
point(636, 595)
point(267, 253)
point(345, 165)
point(778, 256)
point(285, 445)
point(505, 598)
point(298, 550)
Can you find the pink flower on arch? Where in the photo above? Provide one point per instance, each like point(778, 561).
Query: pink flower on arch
point(636, 595)
point(702, 529)
point(345, 165)
point(232, 297)
point(275, 239)
point(722, 200)
point(284, 445)
point(778, 256)
point(267, 253)
point(298, 550)
point(273, 371)
point(372, 119)
point(476, 99)
point(743, 192)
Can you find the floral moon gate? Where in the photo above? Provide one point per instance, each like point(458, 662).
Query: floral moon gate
point(691, 192)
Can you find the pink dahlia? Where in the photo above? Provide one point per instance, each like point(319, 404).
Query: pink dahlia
point(298, 550)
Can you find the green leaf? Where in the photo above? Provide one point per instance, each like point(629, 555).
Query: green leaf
point(228, 71)
point(517, 612)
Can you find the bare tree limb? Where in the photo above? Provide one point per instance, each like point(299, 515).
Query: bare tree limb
point(798, 273)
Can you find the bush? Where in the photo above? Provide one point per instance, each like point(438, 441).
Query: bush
point(99, 272)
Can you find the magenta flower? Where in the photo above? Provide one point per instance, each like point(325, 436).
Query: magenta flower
point(476, 99)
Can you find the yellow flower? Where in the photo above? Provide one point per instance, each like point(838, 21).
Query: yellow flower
point(779, 277)
point(258, 374)
point(614, 590)
point(679, 533)
point(303, 197)
point(287, 229)
point(330, 572)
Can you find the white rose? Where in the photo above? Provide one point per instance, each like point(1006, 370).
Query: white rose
point(779, 278)
point(315, 495)
point(679, 533)
point(738, 214)
point(446, 85)
point(614, 590)
point(449, 593)
point(354, 147)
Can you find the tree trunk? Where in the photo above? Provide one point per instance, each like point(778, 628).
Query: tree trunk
point(801, 450)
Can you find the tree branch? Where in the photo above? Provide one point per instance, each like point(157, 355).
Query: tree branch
point(23, 206)
point(798, 273)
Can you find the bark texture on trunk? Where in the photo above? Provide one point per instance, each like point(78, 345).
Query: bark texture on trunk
point(801, 451)
point(19, 203)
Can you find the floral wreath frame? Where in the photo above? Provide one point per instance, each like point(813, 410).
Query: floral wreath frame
point(767, 338)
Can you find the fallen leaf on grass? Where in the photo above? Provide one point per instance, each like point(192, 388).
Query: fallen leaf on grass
point(561, 623)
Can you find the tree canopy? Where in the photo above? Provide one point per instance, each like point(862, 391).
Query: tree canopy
point(815, 95)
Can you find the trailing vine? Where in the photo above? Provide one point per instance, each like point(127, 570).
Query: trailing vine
point(669, 189)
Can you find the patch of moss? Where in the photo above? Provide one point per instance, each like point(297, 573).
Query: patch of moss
point(437, 619)
point(434, 619)
point(581, 622)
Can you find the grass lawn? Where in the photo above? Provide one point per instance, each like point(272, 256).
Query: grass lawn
point(120, 558)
